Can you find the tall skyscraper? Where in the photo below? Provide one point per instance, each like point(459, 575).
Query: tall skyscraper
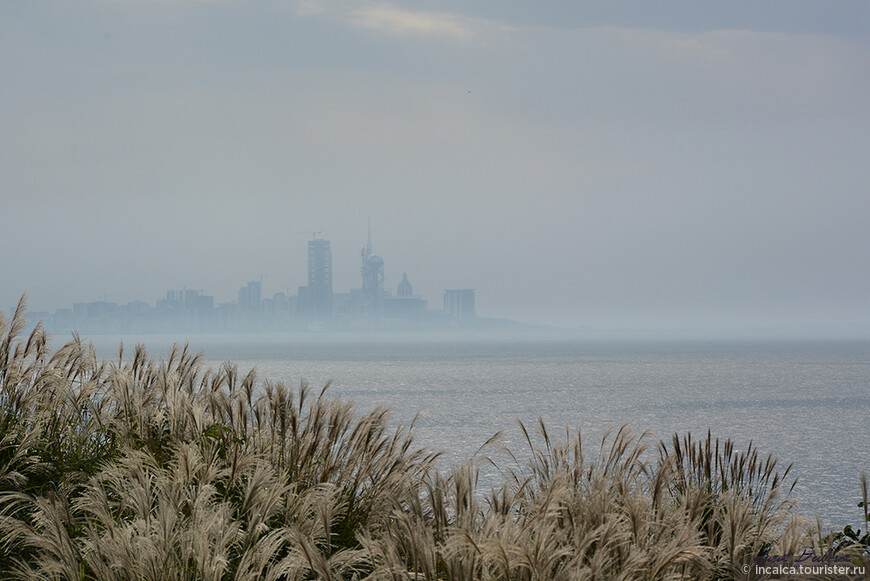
point(320, 279)
point(250, 296)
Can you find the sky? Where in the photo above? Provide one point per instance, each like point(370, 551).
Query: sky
point(609, 165)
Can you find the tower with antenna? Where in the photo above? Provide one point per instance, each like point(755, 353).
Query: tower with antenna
point(372, 278)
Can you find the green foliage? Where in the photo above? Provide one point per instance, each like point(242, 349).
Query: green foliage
point(851, 541)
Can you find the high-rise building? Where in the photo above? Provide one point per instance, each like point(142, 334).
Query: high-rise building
point(459, 303)
point(319, 279)
point(250, 296)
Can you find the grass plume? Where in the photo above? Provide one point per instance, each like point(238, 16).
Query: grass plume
point(146, 469)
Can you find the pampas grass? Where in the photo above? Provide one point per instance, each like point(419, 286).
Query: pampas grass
point(145, 469)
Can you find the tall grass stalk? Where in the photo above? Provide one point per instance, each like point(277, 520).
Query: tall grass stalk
point(144, 469)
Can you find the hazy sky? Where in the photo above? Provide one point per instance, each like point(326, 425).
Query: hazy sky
point(615, 164)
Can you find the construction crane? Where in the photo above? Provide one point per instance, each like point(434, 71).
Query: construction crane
point(313, 233)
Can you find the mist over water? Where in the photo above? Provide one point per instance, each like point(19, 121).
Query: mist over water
point(804, 402)
point(659, 167)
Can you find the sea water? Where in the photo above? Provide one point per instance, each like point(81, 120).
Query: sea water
point(804, 402)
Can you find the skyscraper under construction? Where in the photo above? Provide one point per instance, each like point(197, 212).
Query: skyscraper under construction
point(319, 279)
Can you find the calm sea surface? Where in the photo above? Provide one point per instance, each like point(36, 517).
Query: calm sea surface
point(802, 401)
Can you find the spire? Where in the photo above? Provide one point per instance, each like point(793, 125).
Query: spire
point(369, 243)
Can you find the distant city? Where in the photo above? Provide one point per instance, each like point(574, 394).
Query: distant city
point(315, 307)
